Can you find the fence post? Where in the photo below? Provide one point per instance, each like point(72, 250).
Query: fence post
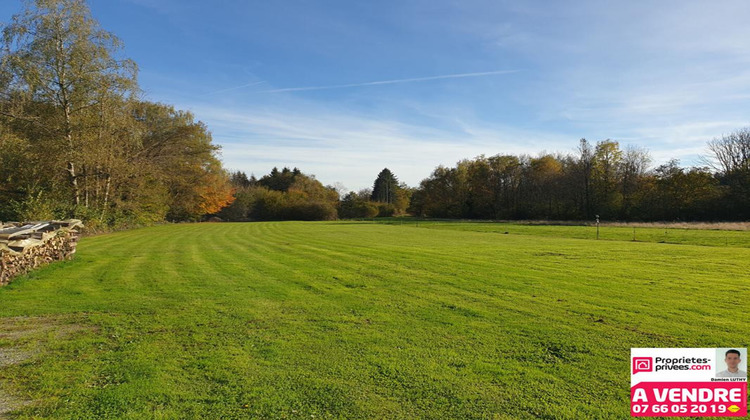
point(597, 227)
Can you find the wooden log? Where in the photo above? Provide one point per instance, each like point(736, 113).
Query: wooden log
point(28, 246)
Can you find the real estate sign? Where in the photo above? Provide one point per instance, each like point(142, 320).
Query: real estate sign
point(692, 382)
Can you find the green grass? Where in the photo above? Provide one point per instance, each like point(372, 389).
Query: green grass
point(355, 320)
point(670, 235)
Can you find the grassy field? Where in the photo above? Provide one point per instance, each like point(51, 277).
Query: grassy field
point(357, 320)
point(682, 233)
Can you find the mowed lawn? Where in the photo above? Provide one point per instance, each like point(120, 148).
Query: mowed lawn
point(666, 234)
point(355, 320)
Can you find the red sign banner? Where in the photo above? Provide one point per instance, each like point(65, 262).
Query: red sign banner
point(695, 399)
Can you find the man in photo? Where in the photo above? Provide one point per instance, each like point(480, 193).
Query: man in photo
point(733, 360)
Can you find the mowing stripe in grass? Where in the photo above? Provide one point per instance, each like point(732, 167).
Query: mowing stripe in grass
point(366, 321)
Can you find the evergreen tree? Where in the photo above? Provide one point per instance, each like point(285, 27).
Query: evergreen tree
point(385, 188)
point(280, 180)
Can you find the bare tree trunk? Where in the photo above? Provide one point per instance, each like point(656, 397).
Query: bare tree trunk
point(97, 187)
point(85, 187)
point(106, 196)
point(73, 177)
point(64, 101)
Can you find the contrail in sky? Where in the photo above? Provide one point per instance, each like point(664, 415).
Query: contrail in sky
point(393, 82)
point(232, 88)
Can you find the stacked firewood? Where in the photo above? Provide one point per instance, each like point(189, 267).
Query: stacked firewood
point(24, 247)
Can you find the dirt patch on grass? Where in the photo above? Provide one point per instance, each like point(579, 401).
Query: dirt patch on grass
point(10, 403)
point(12, 356)
point(23, 339)
point(24, 328)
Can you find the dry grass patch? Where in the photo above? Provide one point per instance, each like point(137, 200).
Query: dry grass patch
point(686, 225)
point(23, 339)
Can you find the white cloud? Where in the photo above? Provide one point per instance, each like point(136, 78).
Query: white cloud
point(667, 76)
point(344, 147)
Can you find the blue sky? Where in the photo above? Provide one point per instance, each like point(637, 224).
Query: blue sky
point(342, 89)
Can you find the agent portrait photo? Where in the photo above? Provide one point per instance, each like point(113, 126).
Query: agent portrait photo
point(733, 360)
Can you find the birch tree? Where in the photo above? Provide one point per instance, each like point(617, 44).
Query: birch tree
point(60, 76)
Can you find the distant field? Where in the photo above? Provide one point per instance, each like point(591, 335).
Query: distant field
point(720, 234)
point(362, 320)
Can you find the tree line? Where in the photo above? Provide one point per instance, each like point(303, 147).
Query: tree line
point(599, 180)
point(285, 194)
point(289, 194)
point(76, 140)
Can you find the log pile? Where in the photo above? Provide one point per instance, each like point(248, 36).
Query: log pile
point(24, 247)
